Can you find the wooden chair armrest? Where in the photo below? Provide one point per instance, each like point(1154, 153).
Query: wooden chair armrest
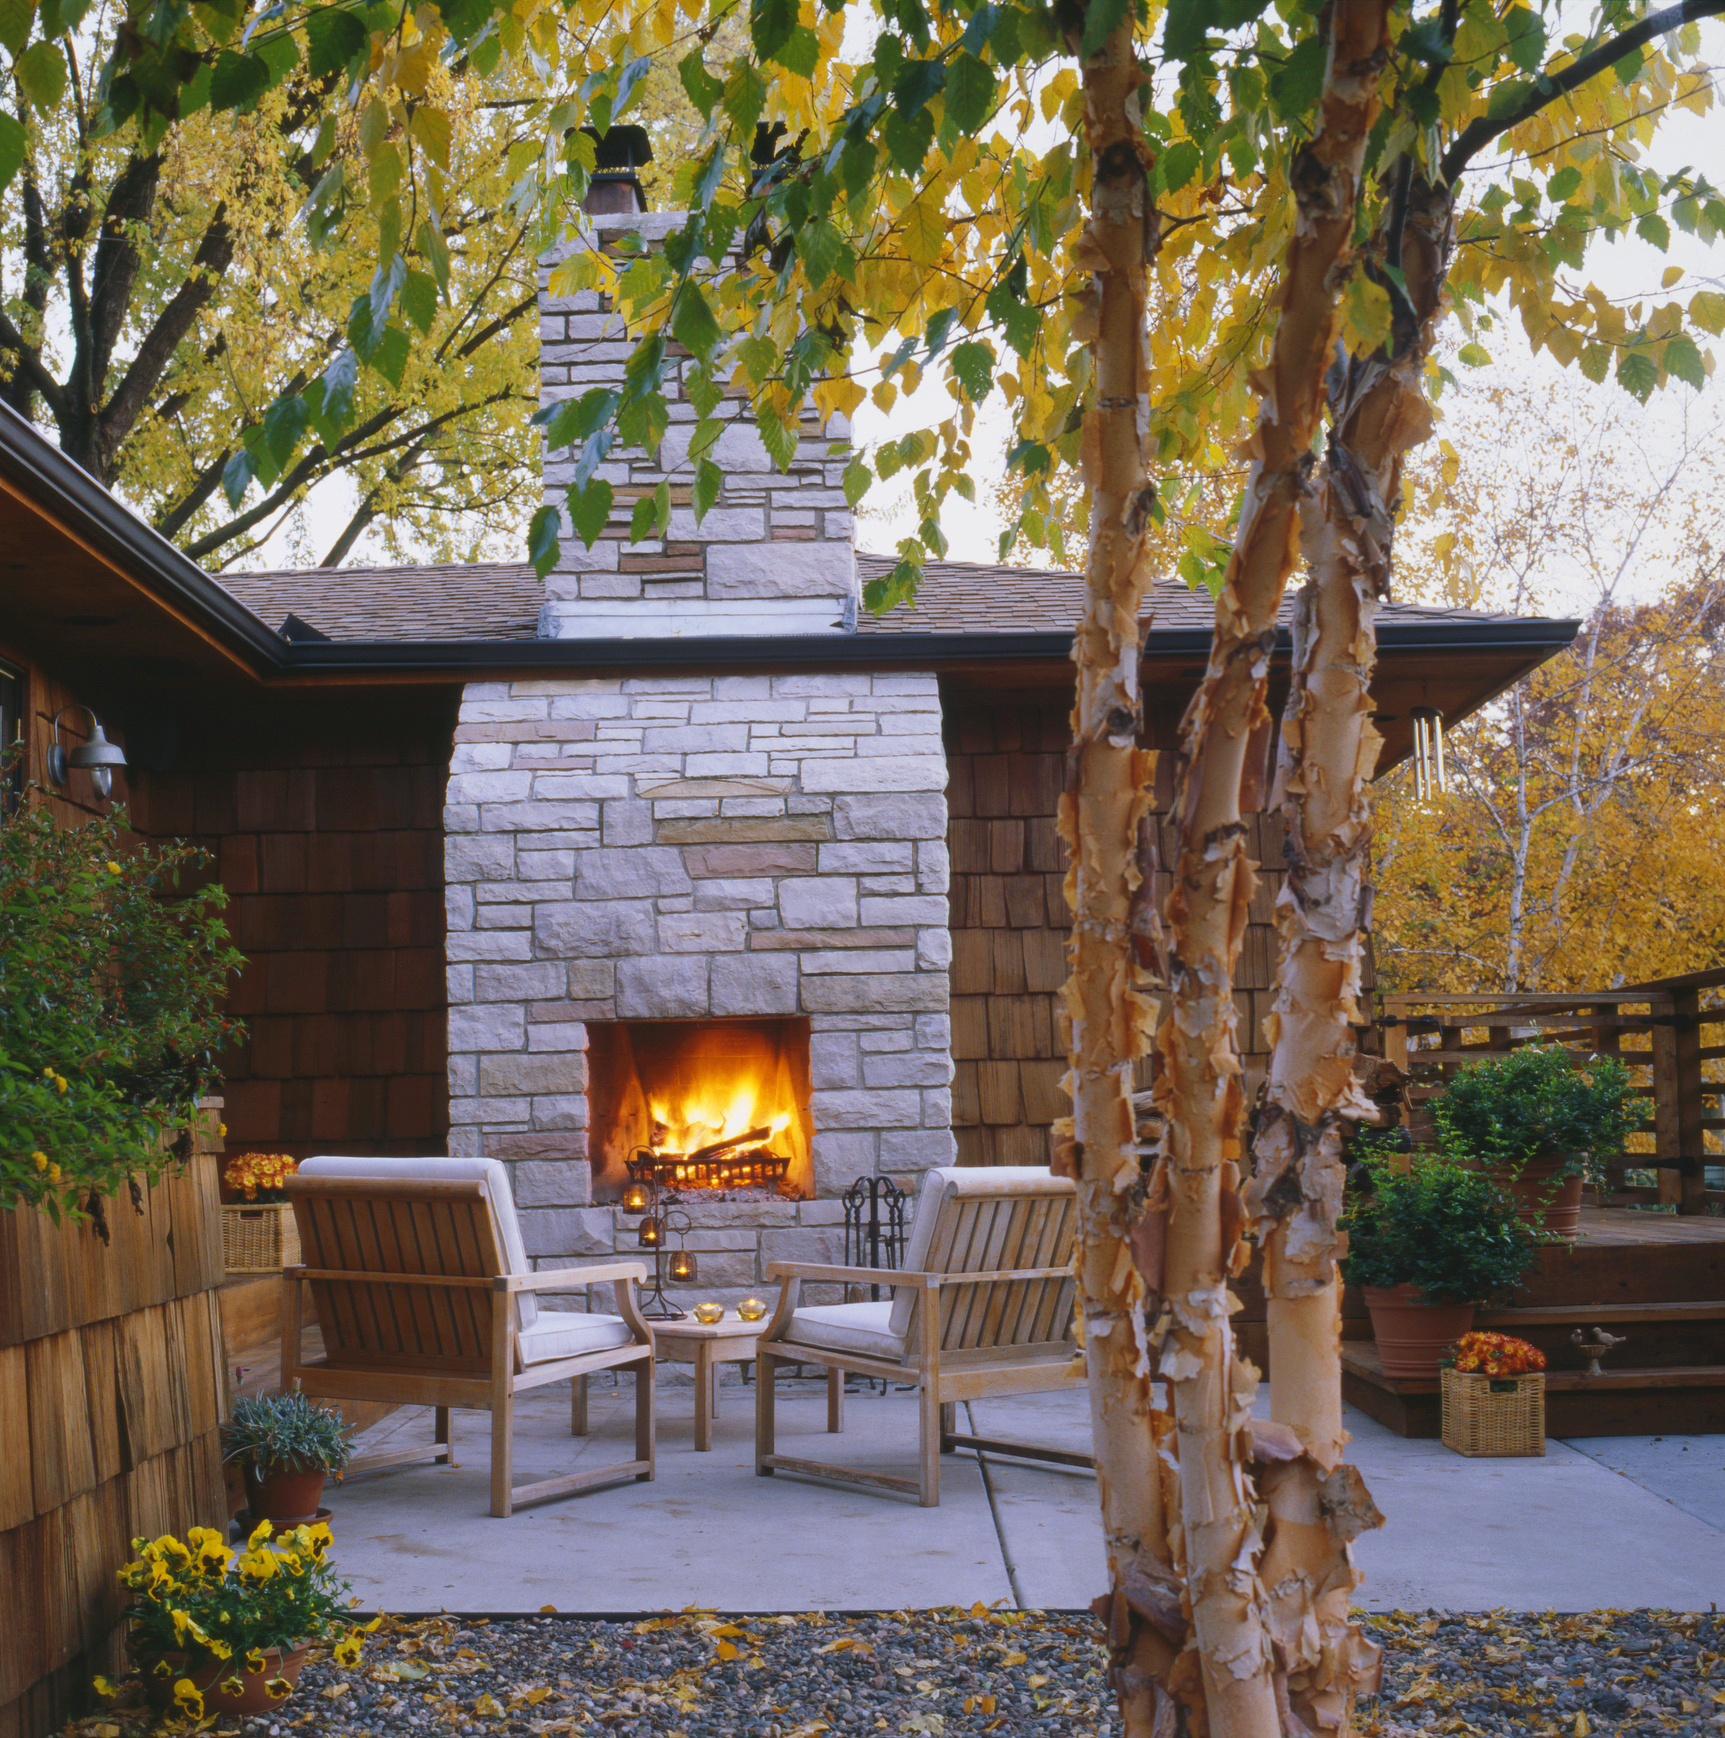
point(1002, 1276)
point(850, 1275)
point(570, 1278)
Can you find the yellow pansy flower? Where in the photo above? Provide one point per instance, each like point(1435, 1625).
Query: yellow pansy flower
point(347, 1651)
point(232, 1687)
point(255, 1661)
point(104, 1687)
point(186, 1696)
point(278, 1689)
point(262, 1531)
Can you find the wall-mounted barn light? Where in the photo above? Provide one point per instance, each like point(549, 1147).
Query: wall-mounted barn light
point(98, 757)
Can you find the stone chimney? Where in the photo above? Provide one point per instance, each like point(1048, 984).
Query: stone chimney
point(773, 556)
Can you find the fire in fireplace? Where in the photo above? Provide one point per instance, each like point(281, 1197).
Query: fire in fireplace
point(713, 1106)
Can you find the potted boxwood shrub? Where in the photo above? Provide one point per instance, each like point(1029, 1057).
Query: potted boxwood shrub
point(1535, 1118)
point(285, 1446)
point(1427, 1245)
point(219, 1631)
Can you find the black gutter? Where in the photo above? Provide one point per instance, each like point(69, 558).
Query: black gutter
point(48, 479)
point(471, 659)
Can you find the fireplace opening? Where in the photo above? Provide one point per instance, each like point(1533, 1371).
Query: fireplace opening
point(708, 1109)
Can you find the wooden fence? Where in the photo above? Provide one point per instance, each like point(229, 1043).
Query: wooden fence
point(111, 1392)
point(1670, 1032)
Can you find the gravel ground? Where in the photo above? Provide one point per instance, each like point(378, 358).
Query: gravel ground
point(953, 1673)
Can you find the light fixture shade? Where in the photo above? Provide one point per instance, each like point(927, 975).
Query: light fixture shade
point(683, 1267)
point(99, 757)
point(636, 1198)
point(651, 1234)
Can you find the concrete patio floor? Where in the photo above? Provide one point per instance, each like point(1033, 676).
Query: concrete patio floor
point(1603, 1522)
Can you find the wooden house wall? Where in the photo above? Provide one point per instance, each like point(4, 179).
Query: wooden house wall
point(323, 813)
point(111, 1393)
point(1010, 922)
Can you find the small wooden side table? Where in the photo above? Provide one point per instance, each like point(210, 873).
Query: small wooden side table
point(706, 1345)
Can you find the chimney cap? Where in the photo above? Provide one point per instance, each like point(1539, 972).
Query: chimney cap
point(623, 147)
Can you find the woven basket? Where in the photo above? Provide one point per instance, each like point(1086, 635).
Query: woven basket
point(259, 1239)
point(1493, 1415)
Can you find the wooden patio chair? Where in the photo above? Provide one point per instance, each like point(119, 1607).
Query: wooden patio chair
point(425, 1297)
point(983, 1307)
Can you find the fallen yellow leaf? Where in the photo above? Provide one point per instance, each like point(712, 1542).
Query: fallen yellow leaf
point(729, 1650)
point(488, 1706)
point(1034, 1680)
point(1581, 1726)
point(332, 1691)
point(1012, 1659)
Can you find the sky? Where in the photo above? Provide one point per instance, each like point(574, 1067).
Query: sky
point(1627, 270)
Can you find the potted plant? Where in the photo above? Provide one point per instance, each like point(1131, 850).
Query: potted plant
point(285, 1446)
point(258, 1230)
point(216, 1630)
point(1426, 1245)
point(1534, 1119)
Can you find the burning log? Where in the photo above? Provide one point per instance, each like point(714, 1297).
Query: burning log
point(754, 1137)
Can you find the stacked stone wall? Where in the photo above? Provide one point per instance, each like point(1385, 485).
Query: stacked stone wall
point(708, 846)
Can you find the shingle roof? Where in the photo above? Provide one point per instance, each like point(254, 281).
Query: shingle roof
point(500, 601)
point(963, 597)
point(488, 600)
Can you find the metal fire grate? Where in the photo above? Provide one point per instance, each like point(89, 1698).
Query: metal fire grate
point(742, 1162)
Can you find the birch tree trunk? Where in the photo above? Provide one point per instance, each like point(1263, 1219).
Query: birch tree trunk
point(1225, 736)
point(1101, 810)
point(1317, 1504)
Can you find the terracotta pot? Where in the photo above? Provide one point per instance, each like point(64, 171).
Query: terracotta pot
point(1413, 1335)
point(253, 1697)
point(1541, 1200)
point(283, 1495)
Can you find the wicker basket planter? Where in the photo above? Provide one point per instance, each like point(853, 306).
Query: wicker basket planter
point(1493, 1415)
point(259, 1239)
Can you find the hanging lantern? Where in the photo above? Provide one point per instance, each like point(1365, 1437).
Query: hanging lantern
point(1429, 773)
point(651, 1234)
point(636, 1198)
point(683, 1265)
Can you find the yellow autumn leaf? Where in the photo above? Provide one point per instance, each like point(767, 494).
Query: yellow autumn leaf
point(1366, 315)
point(1581, 1726)
point(729, 1651)
point(488, 1707)
point(924, 232)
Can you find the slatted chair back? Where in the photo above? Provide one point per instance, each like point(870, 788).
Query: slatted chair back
point(444, 1231)
point(1000, 1219)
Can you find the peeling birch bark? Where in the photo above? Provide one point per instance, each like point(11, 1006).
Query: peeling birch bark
point(1106, 799)
point(1242, 1647)
point(1328, 756)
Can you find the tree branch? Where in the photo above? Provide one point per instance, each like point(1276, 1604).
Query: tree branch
point(1479, 133)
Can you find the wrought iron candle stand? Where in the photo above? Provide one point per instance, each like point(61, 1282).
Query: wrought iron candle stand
point(662, 1219)
point(874, 1228)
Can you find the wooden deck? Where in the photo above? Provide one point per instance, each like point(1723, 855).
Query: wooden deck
point(1656, 1280)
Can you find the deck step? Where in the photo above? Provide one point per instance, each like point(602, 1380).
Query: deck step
point(1584, 1315)
point(1361, 1359)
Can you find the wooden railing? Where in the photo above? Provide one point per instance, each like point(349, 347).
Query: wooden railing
point(1670, 1033)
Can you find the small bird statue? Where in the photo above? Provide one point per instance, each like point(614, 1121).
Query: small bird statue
point(1593, 1346)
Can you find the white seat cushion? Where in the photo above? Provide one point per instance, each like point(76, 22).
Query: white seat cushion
point(864, 1328)
point(491, 1172)
point(561, 1334)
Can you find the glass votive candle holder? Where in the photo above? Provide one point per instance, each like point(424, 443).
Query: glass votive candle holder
point(709, 1313)
point(751, 1309)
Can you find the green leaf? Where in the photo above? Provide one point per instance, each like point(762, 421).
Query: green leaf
point(709, 480)
point(745, 96)
point(824, 252)
point(238, 81)
point(390, 357)
point(1189, 23)
point(1473, 356)
point(1681, 358)
point(428, 238)
point(41, 71)
point(641, 520)
point(12, 139)
point(1180, 165)
point(1101, 19)
point(1706, 307)
point(973, 366)
point(1655, 229)
point(16, 17)
point(916, 85)
point(284, 422)
point(237, 476)
point(692, 322)
point(1637, 374)
point(662, 506)
point(629, 83)
point(419, 299)
point(907, 141)
point(1526, 32)
point(1018, 320)
point(1596, 362)
point(1565, 182)
point(330, 397)
point(759, 357)
point(939, 325)
point(279, 53)
point(542, 549)
point(771, 25)
point(386, 282)
point(1298, 82)
point(336, 38)
point(1628, 69)
point(856, 480)
point(704, 91)
point(969, 93)
point(777, 436)
point(589, 508)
